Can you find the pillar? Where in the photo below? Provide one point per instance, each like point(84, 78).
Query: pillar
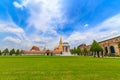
point(109, 51)
point(63, 48)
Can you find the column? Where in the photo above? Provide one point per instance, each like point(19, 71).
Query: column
point(109, 51)
point(66, 49)
point(63, 48)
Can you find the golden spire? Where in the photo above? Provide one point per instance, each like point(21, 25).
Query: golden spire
point(60, 44)
point(60, 40)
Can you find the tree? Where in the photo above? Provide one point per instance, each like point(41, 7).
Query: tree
point(17, 52)
point(96, 48)
point(92, 49)
point(12, 51)
point(0, 52)
point(6, 51)
point(79, 52)
point(85, 51)
point(72, 51)
point(119, 46)
point(75, 50)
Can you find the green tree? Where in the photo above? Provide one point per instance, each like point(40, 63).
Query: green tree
point(6, 51)
point(72, 51)
point(79, 52)
point(92, 49)
point(85, 51)
point(0, 52)
point(17, 52)
point(119, 46)
point(12, 51)
point(75, 50)
point(96, 48)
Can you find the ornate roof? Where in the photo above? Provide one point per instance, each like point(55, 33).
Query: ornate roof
point(35, 48)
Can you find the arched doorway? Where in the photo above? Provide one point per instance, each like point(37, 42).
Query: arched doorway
point(48, 52)
point(106, 51)
point(112, 49)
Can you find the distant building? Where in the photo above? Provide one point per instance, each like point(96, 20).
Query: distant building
point(82, 46)
point(33, 51)
point(110, 46)
point(62, 49)
point(35, 48)
point(59, 48)
point(66, 49)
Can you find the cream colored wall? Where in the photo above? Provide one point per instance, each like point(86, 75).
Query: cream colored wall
point(109, 43)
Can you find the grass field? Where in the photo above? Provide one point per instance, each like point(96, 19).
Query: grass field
point(59, 68)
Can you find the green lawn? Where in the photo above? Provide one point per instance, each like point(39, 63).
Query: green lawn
point(59, 68)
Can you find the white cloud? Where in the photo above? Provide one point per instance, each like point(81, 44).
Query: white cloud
point(86, 25)
point(22, 41)
point(11, 39)
point(107, 29)
point(16, 4)
point(40, 40)
point(45, 15)
point(10, 27)
point(14, 30)
point(76, 36)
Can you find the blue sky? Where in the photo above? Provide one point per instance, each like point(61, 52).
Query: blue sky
point(24, 23)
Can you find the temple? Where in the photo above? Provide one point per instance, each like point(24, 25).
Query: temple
point(59, 48)
point(63, 49)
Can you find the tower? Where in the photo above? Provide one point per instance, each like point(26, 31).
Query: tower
point(60, 44)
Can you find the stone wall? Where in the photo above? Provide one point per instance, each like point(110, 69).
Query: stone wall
point(110, 46)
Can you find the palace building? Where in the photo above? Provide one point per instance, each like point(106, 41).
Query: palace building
point(110, 46)
point(63, 49)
